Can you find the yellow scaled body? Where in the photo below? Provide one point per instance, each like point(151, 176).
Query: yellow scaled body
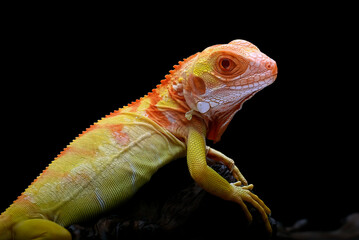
point(111, 160)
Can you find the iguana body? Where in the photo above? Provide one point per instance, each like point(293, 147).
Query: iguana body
point(112, 159)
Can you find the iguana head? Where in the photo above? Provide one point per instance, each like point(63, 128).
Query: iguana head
point(221, 78)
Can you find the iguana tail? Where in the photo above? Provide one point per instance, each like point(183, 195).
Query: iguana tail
point(33, 229)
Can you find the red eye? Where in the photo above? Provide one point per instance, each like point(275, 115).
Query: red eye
point(226, 64)
point(229, 65)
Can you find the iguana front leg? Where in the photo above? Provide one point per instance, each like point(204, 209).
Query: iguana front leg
point(220, 157)
point(215, 184)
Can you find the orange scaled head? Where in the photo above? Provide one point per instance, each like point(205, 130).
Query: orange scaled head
point(221, 78)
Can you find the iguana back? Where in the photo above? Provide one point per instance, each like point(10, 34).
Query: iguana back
point(100, 169)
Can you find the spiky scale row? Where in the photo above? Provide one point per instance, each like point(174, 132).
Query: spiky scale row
point(168, 79)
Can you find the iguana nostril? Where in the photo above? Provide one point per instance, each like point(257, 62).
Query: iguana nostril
point(271, 65)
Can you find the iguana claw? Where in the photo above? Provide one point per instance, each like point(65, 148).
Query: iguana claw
point(243, 194)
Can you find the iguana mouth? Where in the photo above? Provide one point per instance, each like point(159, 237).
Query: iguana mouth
point(254, 86)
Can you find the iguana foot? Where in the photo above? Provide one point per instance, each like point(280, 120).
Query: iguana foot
point(220, 157)
point(243, 194)
point(40, 229)
point(237, 174)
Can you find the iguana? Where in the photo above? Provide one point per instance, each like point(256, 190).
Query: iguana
point(106, 164)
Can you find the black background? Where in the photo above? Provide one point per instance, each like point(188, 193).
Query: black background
point(296, 140)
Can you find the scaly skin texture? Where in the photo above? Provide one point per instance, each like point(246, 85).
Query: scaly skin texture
point(112, 159)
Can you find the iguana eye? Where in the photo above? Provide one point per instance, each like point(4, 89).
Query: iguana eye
point(226, 64)
point(230, 65)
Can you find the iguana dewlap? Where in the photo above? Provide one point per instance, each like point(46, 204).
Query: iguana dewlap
point(112, 159)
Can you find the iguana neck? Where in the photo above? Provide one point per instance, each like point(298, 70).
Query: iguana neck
point(166, 104)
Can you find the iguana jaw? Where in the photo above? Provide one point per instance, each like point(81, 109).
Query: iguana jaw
point(219, 120)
